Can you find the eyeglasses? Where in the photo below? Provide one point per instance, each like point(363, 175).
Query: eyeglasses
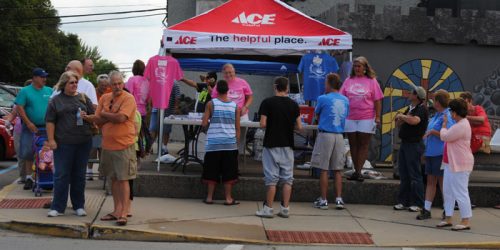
point(73, 82)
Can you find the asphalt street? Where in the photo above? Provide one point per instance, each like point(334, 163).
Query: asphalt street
point(8, 173)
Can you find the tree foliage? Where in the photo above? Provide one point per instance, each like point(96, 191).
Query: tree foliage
point(30, 37)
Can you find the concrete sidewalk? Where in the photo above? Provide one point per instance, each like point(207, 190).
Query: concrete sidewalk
point(164, 219)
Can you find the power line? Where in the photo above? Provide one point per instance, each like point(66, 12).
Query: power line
point(98, 14)
point(88, 21)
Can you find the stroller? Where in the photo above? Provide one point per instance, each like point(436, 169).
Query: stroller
point(44, 179)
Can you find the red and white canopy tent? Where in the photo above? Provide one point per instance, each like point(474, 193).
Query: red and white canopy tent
point(254, 27)
point(251, 28)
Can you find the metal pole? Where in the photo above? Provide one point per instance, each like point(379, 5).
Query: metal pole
point(160, 137)
point(350, 55)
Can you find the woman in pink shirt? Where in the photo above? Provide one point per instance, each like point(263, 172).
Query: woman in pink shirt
point(138, 86)
point(460, 164)
point(365, 105)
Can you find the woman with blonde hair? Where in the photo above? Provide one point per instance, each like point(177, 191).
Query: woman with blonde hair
point(365, 106)
point(71, 139)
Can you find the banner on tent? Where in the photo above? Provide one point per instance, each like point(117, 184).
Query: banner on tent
point(198, 40)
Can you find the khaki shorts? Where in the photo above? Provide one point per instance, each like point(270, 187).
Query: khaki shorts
point(119, 164)
point(328, 152)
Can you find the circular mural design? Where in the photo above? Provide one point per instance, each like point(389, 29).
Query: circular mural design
point(431, 75)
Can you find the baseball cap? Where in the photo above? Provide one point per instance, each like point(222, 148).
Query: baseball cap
point(40, 72)
point(420, 92)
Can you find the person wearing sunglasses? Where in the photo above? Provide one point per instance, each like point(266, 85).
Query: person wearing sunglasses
point(71, 139)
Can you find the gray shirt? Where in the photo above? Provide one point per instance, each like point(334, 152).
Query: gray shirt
point(62, 111)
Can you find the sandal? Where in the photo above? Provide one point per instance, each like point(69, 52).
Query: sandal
point(129, 215)
point(232, 203)
point(208, 202)
point(460, 227)
point(122, 221)
point(109, 217)
point(444, 224)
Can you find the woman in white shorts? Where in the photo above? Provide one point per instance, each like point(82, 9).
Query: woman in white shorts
point(365, 106)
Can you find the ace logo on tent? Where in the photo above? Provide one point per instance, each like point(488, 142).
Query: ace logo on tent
point(254, 19)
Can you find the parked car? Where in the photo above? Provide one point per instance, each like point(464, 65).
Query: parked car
point(7, 97)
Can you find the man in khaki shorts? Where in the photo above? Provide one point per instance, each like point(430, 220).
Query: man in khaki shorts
point(116, 115)
point(328, 153)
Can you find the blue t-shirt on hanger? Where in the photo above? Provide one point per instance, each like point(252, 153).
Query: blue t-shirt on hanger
point(315, 67)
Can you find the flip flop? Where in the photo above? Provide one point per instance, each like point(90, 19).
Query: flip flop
point(122, 221)
point(208, 202)
point(109, 217)
point(234, 202)
point(460, 227)
point(444, 224)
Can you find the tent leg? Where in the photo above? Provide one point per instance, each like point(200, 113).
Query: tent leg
point(160, 137)
point(298, 81)
point(350, 55)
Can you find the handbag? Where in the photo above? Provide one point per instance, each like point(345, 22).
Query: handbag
point(93, 128)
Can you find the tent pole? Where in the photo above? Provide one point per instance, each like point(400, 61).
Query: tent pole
point(350, 55)
point(160, 137)
point(298, 81)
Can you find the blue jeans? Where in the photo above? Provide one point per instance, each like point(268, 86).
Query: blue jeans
point(411, 187)
point(70, 163)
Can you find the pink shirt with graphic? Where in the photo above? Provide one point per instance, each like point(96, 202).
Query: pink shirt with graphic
point(238, 89)
point(162, 71)
point(362, 93)
point(139, 88)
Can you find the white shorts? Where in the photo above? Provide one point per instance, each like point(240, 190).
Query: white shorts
point(365, 126)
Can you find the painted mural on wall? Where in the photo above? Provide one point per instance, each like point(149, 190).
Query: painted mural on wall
point(431, 75)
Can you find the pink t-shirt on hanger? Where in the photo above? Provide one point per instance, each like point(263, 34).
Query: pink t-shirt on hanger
point(162, 71)
point(238, 89)
point(362, 93)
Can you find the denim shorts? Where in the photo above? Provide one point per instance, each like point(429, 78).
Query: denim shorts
point(433, 165)
point(154, 124)
point(278, 165)
point(26, 151)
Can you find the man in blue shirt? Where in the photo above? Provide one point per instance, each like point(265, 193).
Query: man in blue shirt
point(328, 153)
point(31, 103)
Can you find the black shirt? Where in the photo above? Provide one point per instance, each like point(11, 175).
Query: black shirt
point(203, 97)
point(62, 111)
point(281, 113)
point(413, 133)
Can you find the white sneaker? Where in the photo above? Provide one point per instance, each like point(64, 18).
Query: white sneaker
point(414, 209)
point(284, 212)
point(265, 212)
point(339, 204)
point(53, 213)
point(166, 159)
point(80, 212)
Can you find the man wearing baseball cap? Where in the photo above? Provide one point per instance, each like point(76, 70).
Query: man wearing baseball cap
point(32, 102)
point(412, 126)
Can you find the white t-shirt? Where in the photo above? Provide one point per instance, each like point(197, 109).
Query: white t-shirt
point(84, 86)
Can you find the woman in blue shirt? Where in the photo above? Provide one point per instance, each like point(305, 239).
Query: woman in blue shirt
point(434, 150)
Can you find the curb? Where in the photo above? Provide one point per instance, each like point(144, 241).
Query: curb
point(120, 233)
point(480, 245)
point(57, 230)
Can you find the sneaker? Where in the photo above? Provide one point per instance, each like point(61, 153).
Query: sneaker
point(80, 212)
point(265, 212)
point(424, 215)
point(400, 207)
point(53, 213)
point(90, 178)
point(284, 212)
point(339, 204)
point(321, 204)
point(28, 184)
point(414, 209)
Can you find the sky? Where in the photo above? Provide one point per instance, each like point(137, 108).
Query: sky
point(121, 41)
